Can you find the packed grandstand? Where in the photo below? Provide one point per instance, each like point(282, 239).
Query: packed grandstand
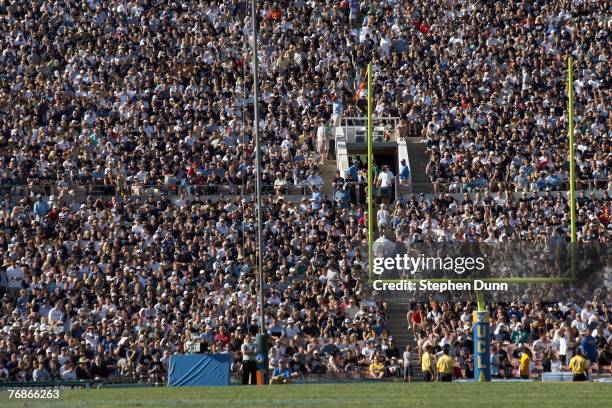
point(128, 166)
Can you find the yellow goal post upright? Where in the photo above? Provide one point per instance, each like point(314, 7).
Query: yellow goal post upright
point(370, 179)
point(572, 172)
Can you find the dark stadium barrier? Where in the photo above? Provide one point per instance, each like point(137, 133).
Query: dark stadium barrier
point(56, 385)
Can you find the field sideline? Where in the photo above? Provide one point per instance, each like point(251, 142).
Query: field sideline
point(377, 395)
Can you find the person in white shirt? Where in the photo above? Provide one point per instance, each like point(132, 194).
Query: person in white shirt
point(369, 350)
point(351, 310)
point(63, 357)
point(68, 372)
point(385, 182)
point(466, 317)
point(579, 324)
point(587, 312)
point(14, 276)
point(274, 299)
point(291, 329)
point(408, 370)
point(41, 373)
point(322, 141)
point(314, 180)
point(382, 217)
point(563, 346)
point(181, 201)
point(91, 338)
point(56, 314)
point(555, 364)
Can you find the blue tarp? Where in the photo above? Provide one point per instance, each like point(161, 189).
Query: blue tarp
point(199, 369)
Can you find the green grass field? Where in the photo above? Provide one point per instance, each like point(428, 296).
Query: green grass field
point(377, 395)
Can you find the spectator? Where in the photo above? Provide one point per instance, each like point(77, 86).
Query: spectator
point(83, 371)
point(382, 217)
point(41, 373)
point(377, 367)
point(281, 374)
point(41, 208)
point(404, 173)
point(15, 276)
point(408, 365)
point(99, 370)
point(384, 181)
point(249, 361)
point(68, 372)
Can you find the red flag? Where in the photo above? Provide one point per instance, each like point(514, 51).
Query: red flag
point(360, 91)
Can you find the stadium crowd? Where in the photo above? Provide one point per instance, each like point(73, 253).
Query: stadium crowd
point(129, 96)
point(149, 93)
point(500, 218)
point(528, 338)
point(119, 285)
point(115, 287)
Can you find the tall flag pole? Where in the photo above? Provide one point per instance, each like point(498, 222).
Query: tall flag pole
point(370, 178)
point(261, 339)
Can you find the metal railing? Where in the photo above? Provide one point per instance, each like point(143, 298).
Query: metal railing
point(384, 129)
point(497, 186)
point(94, 189)
point(363, 121)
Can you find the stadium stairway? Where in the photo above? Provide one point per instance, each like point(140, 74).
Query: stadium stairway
point(402, 335)
point(418, 163)
point(327, 173)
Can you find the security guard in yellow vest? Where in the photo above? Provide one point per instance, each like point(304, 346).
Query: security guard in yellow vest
point(427, 365)
point(445, 366)
point(579, 366)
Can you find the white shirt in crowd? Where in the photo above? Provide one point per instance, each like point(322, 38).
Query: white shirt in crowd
point(291, 330)
point(385, 178)
point(56, 315)
point(563, 348)
point(14, 276)
point(382, 216)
